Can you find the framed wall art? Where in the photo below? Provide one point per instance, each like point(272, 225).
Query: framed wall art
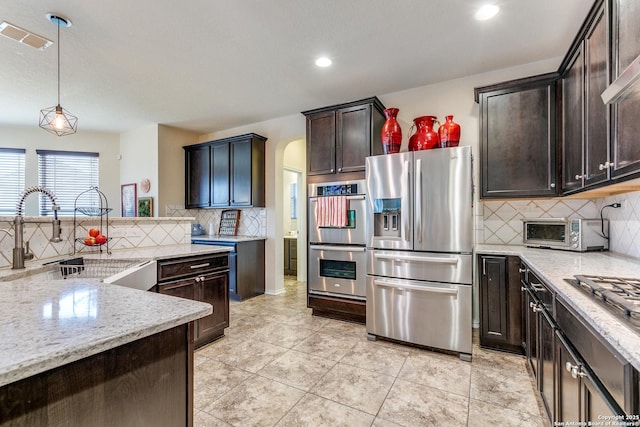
point(145, 206)
point(128, 196)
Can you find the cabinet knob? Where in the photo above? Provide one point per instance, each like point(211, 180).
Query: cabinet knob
point(339, 169)
point(522, 288)
point(576, 370)
point(522, 270)
point(605, 165)
point(578, 177)
point(553, 185)
point(332, 170)
point(197, 279)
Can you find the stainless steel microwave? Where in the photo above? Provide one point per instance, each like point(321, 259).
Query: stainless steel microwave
point(577, 234)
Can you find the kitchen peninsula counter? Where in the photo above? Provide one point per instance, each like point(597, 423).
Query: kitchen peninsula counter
point(554, 266)
point(80, 349)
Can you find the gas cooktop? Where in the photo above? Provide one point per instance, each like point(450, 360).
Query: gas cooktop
point(620, 295)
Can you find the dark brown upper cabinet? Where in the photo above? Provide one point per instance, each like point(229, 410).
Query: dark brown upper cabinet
point(625, 153)
point(226, 172)
point(585, 117)
point(518, 138)
point(340, 137)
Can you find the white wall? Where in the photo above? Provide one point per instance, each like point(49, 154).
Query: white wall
point(171, 172)
point(33, 138)
point(139, 150)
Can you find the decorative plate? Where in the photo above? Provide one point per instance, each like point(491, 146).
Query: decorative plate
point(145, 185)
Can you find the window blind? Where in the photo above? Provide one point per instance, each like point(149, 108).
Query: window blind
point(11, 179)
point(67, 174)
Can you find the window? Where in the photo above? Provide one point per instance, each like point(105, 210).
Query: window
point(294, 200)
point(67, 174)
point(11, 179)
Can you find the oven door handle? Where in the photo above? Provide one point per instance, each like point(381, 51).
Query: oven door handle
point(428, 289)
point(431, 260)
point(337, 248)
point(360, 197)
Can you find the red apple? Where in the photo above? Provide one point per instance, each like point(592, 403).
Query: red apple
point(101, 239)
point(89, 241)
point(94, 232)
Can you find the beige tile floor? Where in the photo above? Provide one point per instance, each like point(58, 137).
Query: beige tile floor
point(280, 366)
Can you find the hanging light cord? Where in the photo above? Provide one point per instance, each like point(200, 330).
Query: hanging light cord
point(58, 24)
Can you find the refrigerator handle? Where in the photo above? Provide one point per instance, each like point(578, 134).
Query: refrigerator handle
point(406, 216)
point(419, 199)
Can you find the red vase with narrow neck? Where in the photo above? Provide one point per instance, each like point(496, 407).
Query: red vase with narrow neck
point(425, 137)
point(391, 135)
point(449, 133)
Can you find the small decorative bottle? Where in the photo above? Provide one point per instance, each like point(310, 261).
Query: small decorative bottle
point(449, 133)
point(391, 135)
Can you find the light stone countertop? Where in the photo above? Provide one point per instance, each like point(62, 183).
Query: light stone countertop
point(554, 266)
point(217, 238)
point(47, 323)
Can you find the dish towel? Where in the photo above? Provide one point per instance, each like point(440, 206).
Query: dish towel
point(331, 211)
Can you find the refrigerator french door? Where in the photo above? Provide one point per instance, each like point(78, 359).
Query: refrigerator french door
point(420, 244)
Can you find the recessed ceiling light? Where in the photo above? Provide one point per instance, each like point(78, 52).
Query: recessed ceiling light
point(487, 11)
point(323, 61)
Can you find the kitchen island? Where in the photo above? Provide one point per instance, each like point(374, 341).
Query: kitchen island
point(82, 351)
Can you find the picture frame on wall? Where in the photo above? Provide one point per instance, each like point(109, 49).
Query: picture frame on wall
point(145, 207)
point(128, 197)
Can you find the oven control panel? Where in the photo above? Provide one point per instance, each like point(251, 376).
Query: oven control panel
point(337, 190)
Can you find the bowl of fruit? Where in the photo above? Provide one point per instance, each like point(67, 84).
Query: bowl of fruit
point(95, 238)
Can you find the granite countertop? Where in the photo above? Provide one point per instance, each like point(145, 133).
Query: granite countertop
point(555, 266)
point(218, 238)
point(46, 323)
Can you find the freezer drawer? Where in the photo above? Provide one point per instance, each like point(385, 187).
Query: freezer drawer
point(436, 267)
point(425, 313)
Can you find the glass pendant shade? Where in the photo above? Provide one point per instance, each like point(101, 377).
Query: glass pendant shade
point(58, 120)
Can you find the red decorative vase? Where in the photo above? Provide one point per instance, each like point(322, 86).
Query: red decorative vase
point(391, 134)
point(449, 133)
point(425, 137)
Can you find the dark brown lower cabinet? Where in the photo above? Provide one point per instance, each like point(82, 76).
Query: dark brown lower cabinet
point(148, 382)
point(546, 362)
point(211, 288)
point(580, 397)
point(500, 303)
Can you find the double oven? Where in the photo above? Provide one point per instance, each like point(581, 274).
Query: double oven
point(337, 248)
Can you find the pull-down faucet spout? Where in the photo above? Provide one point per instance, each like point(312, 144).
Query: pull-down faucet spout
point(19, 254)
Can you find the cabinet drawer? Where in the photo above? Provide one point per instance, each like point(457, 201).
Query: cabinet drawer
point(611, 369)
point(190, 266)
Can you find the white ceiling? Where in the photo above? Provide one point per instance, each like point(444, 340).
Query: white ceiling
point(209, 65)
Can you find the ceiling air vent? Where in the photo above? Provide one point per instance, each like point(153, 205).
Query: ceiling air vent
point(23, 36)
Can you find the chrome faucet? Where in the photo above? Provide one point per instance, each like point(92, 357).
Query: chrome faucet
point(19, 251)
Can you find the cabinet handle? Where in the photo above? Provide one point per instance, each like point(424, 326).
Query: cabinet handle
point(193, 267)
point(536, 309)
point(576, 370)
point(484, 266)
point(605, 165)
point(522, 270)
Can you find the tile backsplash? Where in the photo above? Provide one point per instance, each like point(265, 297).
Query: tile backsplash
point(253, 221)
point(123, 233)
point(500, 222)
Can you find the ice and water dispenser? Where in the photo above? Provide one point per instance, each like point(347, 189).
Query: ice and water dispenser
point(387, 218)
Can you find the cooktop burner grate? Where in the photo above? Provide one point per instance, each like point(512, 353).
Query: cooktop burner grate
point(620, 294)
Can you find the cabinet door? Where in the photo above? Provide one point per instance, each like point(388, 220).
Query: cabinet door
point(220, 175)
point(180, 288)
point(241, 173)
point(518, 142)
point(493, 300)
point(213, 290)
point(321, 143)
point(353, 137)
point(546, 363)
point(573, 122)
point(597, 113)
point(625, 147)
point(197, 174)
point(568, 398)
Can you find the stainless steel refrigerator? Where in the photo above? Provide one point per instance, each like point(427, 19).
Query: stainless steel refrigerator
point(420, 243)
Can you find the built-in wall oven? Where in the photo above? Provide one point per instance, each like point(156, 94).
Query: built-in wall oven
point(337, 239)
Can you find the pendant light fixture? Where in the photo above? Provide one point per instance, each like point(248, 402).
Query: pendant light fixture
point(56, 119)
